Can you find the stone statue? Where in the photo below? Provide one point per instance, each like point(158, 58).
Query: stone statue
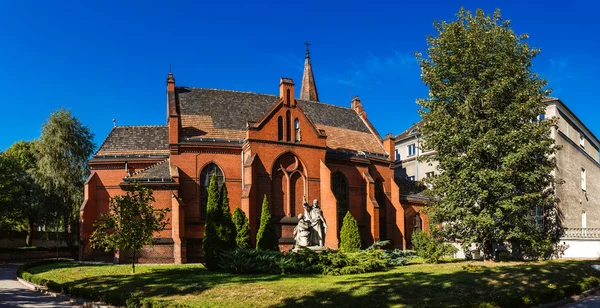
point(312, 225)
point(318, 223)
point(302, 232)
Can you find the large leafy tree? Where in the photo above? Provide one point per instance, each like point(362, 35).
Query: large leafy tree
point(63, 151)
point(11, 191)
point(130, 222)
point(481, 118)
point(32, 203)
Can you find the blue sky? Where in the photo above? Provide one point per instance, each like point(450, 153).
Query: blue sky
point(109, 60)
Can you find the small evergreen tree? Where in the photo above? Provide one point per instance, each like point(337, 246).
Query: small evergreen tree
point(349, 236)
point(242, 228)
point(266, 238)
point(211, 244)
point(228, 231)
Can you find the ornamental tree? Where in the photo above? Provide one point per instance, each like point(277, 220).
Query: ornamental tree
point(481, 118)
point(219, 232)
point(266, 238)
point(242, 228)
point(349, 235)
point(130, 222)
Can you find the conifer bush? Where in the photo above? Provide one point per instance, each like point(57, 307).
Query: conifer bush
point(349, 235)
point(242, 228)
point(219, 231)
point(266, 238)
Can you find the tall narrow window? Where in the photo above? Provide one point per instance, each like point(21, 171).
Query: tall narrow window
point(207, 172)
point(397, 155)
point(581, 140)
point(417, 223)
point(288, 122)
point(297, 136)
point(380, 197)
point(280, 129)
point(583, 179)
point(412, 149)
point(339, 187)
point(287, 96)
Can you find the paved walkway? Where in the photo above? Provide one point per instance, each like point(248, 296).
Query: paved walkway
point(590, 302)
point(14, 294)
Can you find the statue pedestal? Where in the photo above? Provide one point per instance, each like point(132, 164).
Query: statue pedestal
point(313, 248)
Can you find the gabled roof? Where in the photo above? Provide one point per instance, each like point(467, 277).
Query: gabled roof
point(223, 114)
point(127, 140)
point(413, 130)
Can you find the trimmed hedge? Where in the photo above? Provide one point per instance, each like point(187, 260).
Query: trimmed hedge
point(349, 235)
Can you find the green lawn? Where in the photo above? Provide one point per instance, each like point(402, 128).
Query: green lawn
point(458, 284)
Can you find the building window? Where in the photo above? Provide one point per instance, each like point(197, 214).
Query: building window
point(583, 179)
point(397, 155)
point(583, 220)
point(297, 136)
point(339, 187)
point(280, 129)
point(411, 178)
point(541, 117)
point(581, 140)
point(429, 174)
point(205, 176)
point(288, 122)
point(412, 149)
point(417, 223)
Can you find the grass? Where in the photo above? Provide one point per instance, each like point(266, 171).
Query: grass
point(454, 284)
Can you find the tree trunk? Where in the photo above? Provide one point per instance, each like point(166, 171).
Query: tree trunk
point(29, 231)
point(487, 250)
point(133, 263)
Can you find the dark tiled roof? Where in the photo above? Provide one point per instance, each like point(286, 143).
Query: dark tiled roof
point(158, 171)
point(336, 116)
point(411, 131)
point(136, 140)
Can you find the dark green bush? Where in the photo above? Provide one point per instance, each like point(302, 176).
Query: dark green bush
point(349, 235)
point(431, 249)
point(242, 229)
point(266, 238)
point(219, 232)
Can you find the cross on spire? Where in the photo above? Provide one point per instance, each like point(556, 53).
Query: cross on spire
point(307, 52)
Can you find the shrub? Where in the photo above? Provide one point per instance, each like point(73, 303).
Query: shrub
point(431, 249)
point(242, 229)
point(349, 235)
point(219, 232)
point(228, 231)
point(266, 238)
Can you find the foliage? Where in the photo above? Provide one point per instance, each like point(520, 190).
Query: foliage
point(242, 229)
point(393, 257)
point(349, 235)
point(266, 238)
point(12, 191)
point(62, 154)
point(495, 157)
point(416, 285)
point(130, 222)
point(219, 232)
point(431, 249)
point(306, 261)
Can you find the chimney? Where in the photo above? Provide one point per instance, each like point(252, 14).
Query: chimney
point(286, 91)
point(172, 115)
point(357, 106)
point(389, 144)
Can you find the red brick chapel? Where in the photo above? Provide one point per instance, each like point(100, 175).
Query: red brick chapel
point(283, 146)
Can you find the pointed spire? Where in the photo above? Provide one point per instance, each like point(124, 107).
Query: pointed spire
point(309, 87)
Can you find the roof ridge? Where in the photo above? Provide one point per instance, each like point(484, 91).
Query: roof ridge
point(328, 104)
point(227, 90)
point(149, 167)
point(128, 126)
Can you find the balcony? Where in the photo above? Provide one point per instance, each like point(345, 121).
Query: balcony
point(583, 233)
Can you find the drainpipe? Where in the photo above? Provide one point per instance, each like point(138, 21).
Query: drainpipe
point(242, 156)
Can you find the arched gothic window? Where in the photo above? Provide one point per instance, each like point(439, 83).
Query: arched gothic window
point(205, 176)
point(280, 129)
point(339, 187)
point(297, 136)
